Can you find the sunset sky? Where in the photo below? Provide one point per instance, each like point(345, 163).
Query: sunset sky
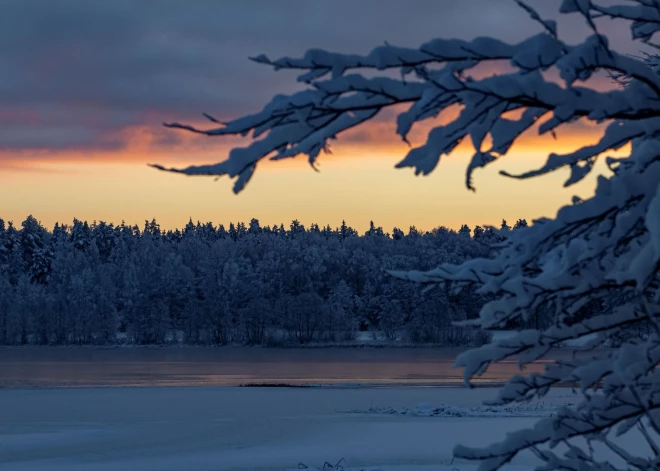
point(85, 86)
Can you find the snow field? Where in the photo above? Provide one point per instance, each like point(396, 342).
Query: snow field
point(226, 428)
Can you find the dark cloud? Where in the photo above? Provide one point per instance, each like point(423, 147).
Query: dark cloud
point(74, 74)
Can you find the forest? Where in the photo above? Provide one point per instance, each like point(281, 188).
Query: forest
point(103, 284)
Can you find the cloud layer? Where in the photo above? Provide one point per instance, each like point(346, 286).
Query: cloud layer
point(80, 75)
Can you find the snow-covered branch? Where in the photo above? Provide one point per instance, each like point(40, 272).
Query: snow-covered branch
point(339, 98)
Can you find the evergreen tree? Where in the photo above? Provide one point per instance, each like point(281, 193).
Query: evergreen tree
point(520, 224)
point(6, 301)
point(190, 230)
point(255, 228)
point(103, 235)
point(4, 247)
point(346, 231)
point(80, 235)
point(413, 232)
point(478, 233)
point(241, 229)
point(465, 230)
point(108, 284)
point(233, 233)
point(151, 228)
point(33, 240)
point(296, 228)
point(374, 231)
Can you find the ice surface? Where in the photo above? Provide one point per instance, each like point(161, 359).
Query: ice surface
point(213, 428)
point(427, 409)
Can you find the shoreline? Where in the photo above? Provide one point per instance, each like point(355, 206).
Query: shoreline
point(358, 368)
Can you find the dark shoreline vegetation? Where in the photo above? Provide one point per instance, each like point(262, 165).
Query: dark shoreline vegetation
point(99, 284)
point(278, 385)
point(338, 345)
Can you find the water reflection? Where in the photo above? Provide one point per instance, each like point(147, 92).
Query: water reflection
point(233, 366)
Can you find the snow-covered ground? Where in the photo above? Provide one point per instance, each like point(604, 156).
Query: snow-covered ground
point(499, 335)
point(225, 428)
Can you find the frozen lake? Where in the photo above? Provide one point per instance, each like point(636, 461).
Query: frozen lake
point(233, 366)
point(227, 428)
point(214, 428)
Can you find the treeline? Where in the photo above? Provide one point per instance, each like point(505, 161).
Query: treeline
point(103, 284)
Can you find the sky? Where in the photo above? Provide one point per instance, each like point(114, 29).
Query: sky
point(85, 87)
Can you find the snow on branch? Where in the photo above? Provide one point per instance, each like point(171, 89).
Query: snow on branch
point(339, 98)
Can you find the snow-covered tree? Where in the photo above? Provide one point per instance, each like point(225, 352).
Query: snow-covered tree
point(80, 235)
point(341, 307)
point(36, 255)
point(296, 228)
point(11, 260)
point(254, 228)
point(304, 317)
point(346, 231)
point(465, 230)
point(520, 224)
point(232, 232)
point(6, 298)
point(391, 321)
point(397, 234)
point(374, 231)
point(593, 249)
point(152, 228)
point(195, 286)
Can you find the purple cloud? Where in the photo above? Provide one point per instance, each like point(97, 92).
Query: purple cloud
point(75, 74)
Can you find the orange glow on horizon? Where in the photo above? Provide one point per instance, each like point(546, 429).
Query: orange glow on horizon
point(141, 145)
point(357, 183)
